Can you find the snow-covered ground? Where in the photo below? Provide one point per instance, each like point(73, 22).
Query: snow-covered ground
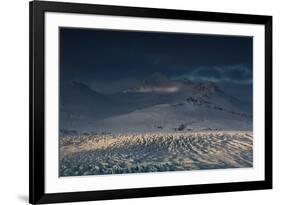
point(168, 117)
point(154, 152)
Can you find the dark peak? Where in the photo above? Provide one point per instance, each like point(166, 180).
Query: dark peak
point(158, 83)
point(208, 87)
point(187, 81)
point(156, 79)
point(81, 86)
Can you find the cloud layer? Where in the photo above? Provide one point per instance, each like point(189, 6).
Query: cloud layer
point(233, 73)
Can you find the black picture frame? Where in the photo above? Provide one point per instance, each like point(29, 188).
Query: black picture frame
point(37, 193)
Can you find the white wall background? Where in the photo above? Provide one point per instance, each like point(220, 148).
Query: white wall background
point(14, 100)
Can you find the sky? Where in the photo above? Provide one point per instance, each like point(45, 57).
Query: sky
point(110, 61)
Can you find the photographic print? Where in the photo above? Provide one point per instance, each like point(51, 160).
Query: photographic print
point(129, 102)
point(138, 101)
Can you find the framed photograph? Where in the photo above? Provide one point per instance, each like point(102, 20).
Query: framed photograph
point(139, 102)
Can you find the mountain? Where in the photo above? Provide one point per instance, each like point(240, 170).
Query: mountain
point(156, 83)
point(158, 103)
point(158, 89)
point(81, 105)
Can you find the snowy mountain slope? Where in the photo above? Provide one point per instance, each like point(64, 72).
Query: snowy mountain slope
point(155, 104)
point(80, 105)
point(158, 89)
point(182, 116)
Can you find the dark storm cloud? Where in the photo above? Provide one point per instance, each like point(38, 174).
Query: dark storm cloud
point(110, 60)
point(238, 73)
point(234, 73)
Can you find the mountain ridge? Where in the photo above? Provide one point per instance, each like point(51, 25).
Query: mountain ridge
point(85, 109)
